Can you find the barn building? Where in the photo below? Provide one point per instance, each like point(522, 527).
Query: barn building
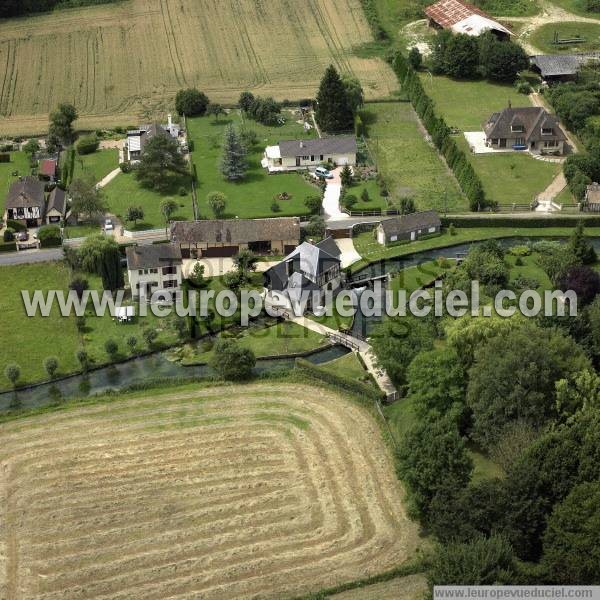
point(462, 17)
point(221, 238)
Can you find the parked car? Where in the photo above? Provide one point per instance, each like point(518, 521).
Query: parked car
point(323, 173)
point(108, 225)
point(22, 236)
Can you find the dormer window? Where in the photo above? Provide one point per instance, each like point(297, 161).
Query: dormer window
point(517, 128)
point(547, 130)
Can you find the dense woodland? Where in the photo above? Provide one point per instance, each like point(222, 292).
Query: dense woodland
point(527, 393)
point(17, 8)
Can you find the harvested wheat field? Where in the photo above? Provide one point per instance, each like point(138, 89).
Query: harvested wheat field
point(412, 587)
point(265, 490)
point(119, 63)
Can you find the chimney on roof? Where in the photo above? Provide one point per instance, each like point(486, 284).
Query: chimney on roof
point(301, 144)
point(169, 121)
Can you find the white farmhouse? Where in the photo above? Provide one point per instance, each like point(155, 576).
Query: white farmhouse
point(295, 155)
point(154, 268)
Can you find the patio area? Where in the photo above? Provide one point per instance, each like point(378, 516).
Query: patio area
point(476, 141)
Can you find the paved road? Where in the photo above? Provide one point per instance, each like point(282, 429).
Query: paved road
point(31, 256)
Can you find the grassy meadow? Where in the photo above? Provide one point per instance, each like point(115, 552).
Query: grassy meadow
point(409, 164)
point(589, 32)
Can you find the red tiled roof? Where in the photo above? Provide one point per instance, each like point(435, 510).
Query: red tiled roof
point(449, 12)
point(48, 167)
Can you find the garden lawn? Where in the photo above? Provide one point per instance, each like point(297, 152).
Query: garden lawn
point(274, 340)
point(529, 270)
point(96, 166)
point(415, 278)
point(468, 104)
point(513, 177)
point(370, 250)
point(542, 37)
point(348, 367)
point(27, 341)
point(251, 198)
point(125, 191)
point(409, 164)
point(18, 162)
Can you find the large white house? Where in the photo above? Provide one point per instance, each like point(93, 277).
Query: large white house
point(154, 268)
point(294, 155)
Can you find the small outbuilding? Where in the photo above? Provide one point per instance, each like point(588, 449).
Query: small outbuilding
point(557, 68)
point(408, 227)
point(57, 206)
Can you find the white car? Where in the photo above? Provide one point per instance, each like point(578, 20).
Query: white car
point(323, 173)
point(108, 225)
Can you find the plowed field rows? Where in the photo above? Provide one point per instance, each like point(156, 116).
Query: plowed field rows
point(263, 491)
point(124, 62)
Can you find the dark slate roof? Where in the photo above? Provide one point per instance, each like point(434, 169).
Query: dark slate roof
point(411, 222)
point(153, 256)
point(552, 66)
point(57, 200)
point(343, 144)
point(308, 262)
point(533, 118)
point(329, 245)
point(236, 231)
point(27, 192)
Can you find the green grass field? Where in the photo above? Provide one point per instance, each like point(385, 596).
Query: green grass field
point(543, 36)
point(125, 191)
point(348, 367)
point(27, 341)
point(252, 197)
point(410, 165)
point(513, 178)
point(97, 165)
point(579, 7)
point(274, 340)
point(18, 162)
point(468, 104)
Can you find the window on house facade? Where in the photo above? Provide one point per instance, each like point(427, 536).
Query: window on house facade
point(305, 157)
point(550, 143)
point(520, 141)
point(517, 128)
point(321, 157)
point(547, 131)
point(169, 270)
